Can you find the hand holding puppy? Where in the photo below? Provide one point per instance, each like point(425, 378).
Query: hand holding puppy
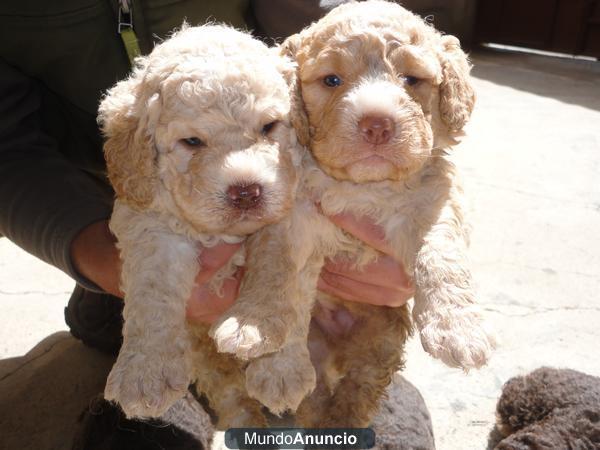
point(383, 282)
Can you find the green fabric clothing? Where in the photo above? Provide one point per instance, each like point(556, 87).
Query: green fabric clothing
point(56, 60)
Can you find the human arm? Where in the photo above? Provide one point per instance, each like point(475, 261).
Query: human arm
point(45, 200)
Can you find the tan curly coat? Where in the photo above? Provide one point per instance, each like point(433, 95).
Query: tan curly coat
point(389, 63)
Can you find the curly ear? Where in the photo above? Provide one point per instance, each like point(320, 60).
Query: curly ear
point(298, 115)
point(126, 117)
point(457, 97)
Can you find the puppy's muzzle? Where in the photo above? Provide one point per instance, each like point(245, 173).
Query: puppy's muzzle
point(376, 129)
point(245, 196)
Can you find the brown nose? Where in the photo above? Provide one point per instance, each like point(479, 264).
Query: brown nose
point(244, 196)
point(376, 129)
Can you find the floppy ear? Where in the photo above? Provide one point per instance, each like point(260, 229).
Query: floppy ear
point(457, 96)
point(125, 117)
point(298, 116)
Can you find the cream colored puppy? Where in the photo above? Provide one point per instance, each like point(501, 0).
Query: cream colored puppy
point(380, 100)
point(199, 150)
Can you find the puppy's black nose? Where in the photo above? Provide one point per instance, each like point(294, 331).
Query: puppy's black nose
point(244, 196)
point(376, 129)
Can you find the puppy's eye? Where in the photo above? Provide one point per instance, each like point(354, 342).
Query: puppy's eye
point(193, 142)
point(269, 127)
point(410, 80)
point(332, 80)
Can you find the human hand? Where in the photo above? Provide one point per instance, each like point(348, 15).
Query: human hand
point(383, 282)
point(96, 257)
point(204, 305)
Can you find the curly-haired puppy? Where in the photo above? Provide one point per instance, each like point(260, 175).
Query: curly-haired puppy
point(551, 409)
point(199, 150)
point(380, 100)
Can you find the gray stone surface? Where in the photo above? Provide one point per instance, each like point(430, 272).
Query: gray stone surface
point(531, 164)
point(33, 296)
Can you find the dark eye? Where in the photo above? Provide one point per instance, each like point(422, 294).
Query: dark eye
point(193, 142)
point(410, 80)
point(268, 127)
point(332, 81)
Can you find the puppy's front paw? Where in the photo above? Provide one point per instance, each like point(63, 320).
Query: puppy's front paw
point(249, 338)
point(218, 441)
point(459, 338)
point(146, 385)
point(280, 381)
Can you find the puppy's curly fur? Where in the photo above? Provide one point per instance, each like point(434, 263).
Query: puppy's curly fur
point(371, 62)
point(206, 112)
point(550, 409)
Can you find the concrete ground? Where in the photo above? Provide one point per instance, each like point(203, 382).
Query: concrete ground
point(531, 164)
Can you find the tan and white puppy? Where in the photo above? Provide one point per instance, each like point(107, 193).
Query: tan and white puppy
point(199, 150)
point(380, 100)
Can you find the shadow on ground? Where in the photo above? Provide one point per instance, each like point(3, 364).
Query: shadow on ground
point(541, 75)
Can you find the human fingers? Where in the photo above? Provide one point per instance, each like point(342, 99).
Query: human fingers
point(205, 306)
point(213, 258)
point(364, 228)
point(358, 291)
point(385, 272)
